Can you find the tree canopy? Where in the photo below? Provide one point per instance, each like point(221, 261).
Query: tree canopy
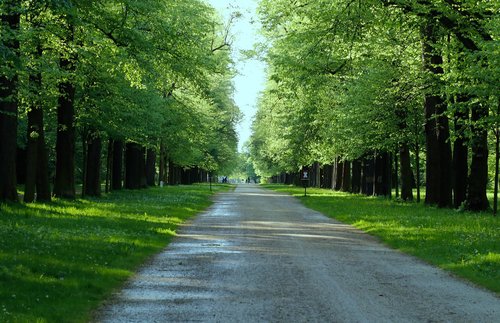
point(153, 73)
point(346, 80)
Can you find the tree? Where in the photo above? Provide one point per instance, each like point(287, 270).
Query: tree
point(354, 69)
point(10, 20)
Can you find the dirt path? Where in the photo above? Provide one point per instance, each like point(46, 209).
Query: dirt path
point(259, 256)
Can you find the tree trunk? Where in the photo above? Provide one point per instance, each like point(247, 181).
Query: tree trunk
point(406, 173)
point(37, 168)
point(134, 166)
point(497, 162)
point(460, 153)
point(368, 175)
point(64, 183)
point(417, 166)
point(43, 192)
point(388, 173)
point(460, 159)
point(382, 175)
point(395, 175)
point(142, 161)
point(85, 134)
point(356, 176)
point(438, 162)
point(150, 167)
point(8, 101)
point(478, 178)
point(163, 173)
point(109, 165)
point(346, 177)
point(93, 165)
point(317, 174)
point(171, 173)
point(339, 174)
point(326, 176)
point(376, 164)
point(117, 168)
point(334, 174)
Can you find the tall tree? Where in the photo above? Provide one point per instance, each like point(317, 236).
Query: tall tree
point(438, 162)
point(10, 20)
point(37, 168)
point(64, 182)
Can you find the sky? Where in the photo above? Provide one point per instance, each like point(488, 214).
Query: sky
point(250, 79)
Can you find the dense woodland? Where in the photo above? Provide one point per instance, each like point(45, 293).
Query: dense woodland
point(127, 93)
point(372, 95)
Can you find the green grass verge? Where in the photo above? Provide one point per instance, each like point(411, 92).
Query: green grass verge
point(60, 260)
point(467, 244)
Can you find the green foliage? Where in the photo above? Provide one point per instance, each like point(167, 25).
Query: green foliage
point(145, 71)
point(461, 242)
point(346, 77)
point(244, 168)
point(59, 261)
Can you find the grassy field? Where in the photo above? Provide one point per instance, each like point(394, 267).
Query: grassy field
point(59, 260)
point(467, 244)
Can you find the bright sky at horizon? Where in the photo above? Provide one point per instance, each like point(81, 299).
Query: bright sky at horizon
point(251, 73)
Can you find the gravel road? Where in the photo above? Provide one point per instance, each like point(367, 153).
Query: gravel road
point(260, 256)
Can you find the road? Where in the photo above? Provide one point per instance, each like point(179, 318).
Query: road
point(260, 256)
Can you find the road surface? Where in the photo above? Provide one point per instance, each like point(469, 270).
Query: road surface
point(260, 256)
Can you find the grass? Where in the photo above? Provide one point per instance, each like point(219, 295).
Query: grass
point(467, 244)
point(60, 260)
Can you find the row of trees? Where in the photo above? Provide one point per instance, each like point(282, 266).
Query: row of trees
point(151, 78)
point(358, 83)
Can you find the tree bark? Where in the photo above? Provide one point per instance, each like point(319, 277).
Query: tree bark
point(150, 167)
point(438, 162)
point(37, 168)
point(460, 158)
point(117, 168)
point(142, 169)
point(339, 175)
point(356, 176)
point(406, 173)
point(395, 175)
point(134, 166)
point(326, 176)
point(497, 166)
point(8, 103)
point(368, 175)
point(417, 167)
point(33, 131)
point(346, 177)
point(163, 173)
point(478, 179)
point(382, 183)
point(333, 183)
point(64, 183)
point(109, 165)
point(93, 165)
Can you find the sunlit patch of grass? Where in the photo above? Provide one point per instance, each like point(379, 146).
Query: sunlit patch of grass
point(467, 244)
point(59, 260)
